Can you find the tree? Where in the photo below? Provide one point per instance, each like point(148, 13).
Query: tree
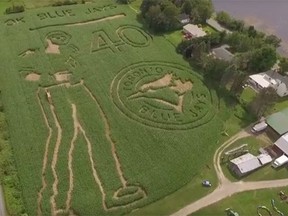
point(262, 59)
point(146, 4)
point(187, 7)
point(264, 100)
point(223, 18)
point(213, 68)
point(125, 1)
point(273, 40)
point(201, 10)
point(160, 14)
point(283, 65)
point(239, 79)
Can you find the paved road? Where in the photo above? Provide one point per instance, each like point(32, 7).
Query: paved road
point(2, 203)
point(227, 188)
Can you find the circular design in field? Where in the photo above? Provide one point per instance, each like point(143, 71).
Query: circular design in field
point(163, 95)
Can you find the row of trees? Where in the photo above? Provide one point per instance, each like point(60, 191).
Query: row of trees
point(161, 15)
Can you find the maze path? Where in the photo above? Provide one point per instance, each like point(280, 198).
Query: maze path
point(44, 164)
point(124, 192)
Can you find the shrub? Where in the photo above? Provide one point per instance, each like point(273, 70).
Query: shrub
point(15, 9)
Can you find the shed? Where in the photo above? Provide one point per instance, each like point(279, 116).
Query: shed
point(183, 18)
point(244, 164)
point(215, 25)
point(264, 158)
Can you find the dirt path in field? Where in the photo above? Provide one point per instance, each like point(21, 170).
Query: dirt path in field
point(226, 188)
point(54, 161)
point(70, 158)
point(52, 48)
point(45, 158)
point(32, 77)
point(98, 20)
point(109, 138)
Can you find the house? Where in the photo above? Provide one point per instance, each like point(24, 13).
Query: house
point(278, 124)
point(244, 164)
point(282, 144)
point(215, 25)
point(272, 79)
point(222, 53)
point(183, 18)
point(247, 163)
point(193, 30)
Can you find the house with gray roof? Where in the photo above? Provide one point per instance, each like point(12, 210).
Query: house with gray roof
point(272, 79)
point(215, 25)
point(244, 164)
point(222, 53)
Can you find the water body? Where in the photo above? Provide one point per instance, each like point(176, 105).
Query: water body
point(269, 16)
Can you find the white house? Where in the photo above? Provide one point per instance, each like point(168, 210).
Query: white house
point(194, 30)
point(272, 79)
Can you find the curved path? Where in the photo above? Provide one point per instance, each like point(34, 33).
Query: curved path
point(2, 203)
point(225, 187)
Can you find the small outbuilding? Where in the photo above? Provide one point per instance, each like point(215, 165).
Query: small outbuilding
point(193, 30)
point(215, 25)
point(244, 164)
point(183, 18)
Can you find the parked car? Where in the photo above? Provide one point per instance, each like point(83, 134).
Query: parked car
point(206, 183)
point(259, 127)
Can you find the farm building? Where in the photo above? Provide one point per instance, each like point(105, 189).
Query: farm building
point(193, 30)
point(278, 124)
point(247, 163)
point(222, 53)
point(272, 79)
point(282, 144)
point(215, 25)
point(183, 18)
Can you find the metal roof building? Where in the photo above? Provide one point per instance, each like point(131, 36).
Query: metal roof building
point(244, 164)
point(279, 121)
point(282, 143)
point(215, 25)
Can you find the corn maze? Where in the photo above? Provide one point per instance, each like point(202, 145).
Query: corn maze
point(104, 117)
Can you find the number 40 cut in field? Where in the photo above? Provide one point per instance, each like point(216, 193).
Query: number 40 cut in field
point(127, 35)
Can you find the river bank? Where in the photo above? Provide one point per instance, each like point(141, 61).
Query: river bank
point(268, 16)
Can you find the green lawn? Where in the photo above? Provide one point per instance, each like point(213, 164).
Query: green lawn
point(174, 37)
point(264, 173)
point(246, 203)
point(279, 106)
point(136, 5)
point(182, 197)
point(247, 96)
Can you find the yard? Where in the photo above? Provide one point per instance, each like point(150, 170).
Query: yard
point(246, 203)
point(264, 173)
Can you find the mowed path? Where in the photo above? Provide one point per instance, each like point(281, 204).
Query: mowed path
point(226, 188)
point(2, 203)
